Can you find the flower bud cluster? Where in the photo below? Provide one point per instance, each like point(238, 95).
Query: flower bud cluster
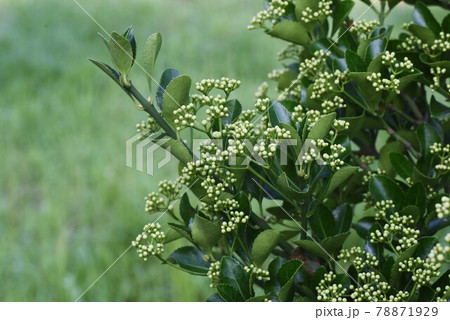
point(262, 90)
point(326, 82)
point(274, 12)
point(439, 45)
point(341, 125)
point(298, 114)
point(239, 132)
point(388, 84)
point(360, 259)
point(443, 208)
point(437, 73)
point(185, 116)
point(275, 74)
point(248, 115)
point(169, 189)
point(312, 117)
point(422, 270)
point(259, 273)
point(262, 105)
point(226, 205)
point(149, 242)
point(214, 274)
point(368, 176)
point(332, 105)
point(310, 67)
point(370, 288)
point(216, 110)
point(210, 170)
point(227, 85)
point(236, 218)
point(291, 51)
point(266, 148)
point(332, 159)
point(154, 203)
point(324, 9)
point(146, 128)
point(364, 27)
point(366, 159)
point(329, 291)
point(440, 254)
point(388, 59)
point(397, 229)
point(443, 153)
point(382, 208)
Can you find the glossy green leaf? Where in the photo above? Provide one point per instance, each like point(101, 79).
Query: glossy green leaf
point(322, 222)
point(446, 24)
point(385, 188)
point(113, 74)
point(385, 152)
point(354, 62)
point(121, 53)
point(278, 113)
point(286, 277)
point(427, 135)
point(182, 230)
point(343, 216)
point(175, 147)
point(396, 274)
point(172, 235)
point(401, 165)
point(234, 275)
point(205, 233)
point(286, 79)
point(326, 248)
point(263, 245)
point(287, 188)
point(187, 212)
point(364, 92)
point(176, 95)
point(294, 137)
point(228, 293)
point(423, 17)
point(426, 244)
point(340, 176)
point(190, 259)
point(258, 298)
point(322, 127)
point(301, 5)
point(375, 249)
point(150, 53)
point(167, 76)
point(129, 35)
point(291, 31)
point(434, 224)
point(362, 226)
point(393, 3)
point(412, 211)
point(439, 110)
point(273, 285)
point(105, 41)
point(423, 33)
point(215, 298)
point(417, 196)
point(234, 110)
point(341, 12)
point(375, 48)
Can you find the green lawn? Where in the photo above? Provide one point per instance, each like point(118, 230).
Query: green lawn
point(68, 204)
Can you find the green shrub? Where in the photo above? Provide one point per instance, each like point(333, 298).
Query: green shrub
point(337, 190)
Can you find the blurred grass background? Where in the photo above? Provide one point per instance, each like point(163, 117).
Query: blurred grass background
point(68, 204)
